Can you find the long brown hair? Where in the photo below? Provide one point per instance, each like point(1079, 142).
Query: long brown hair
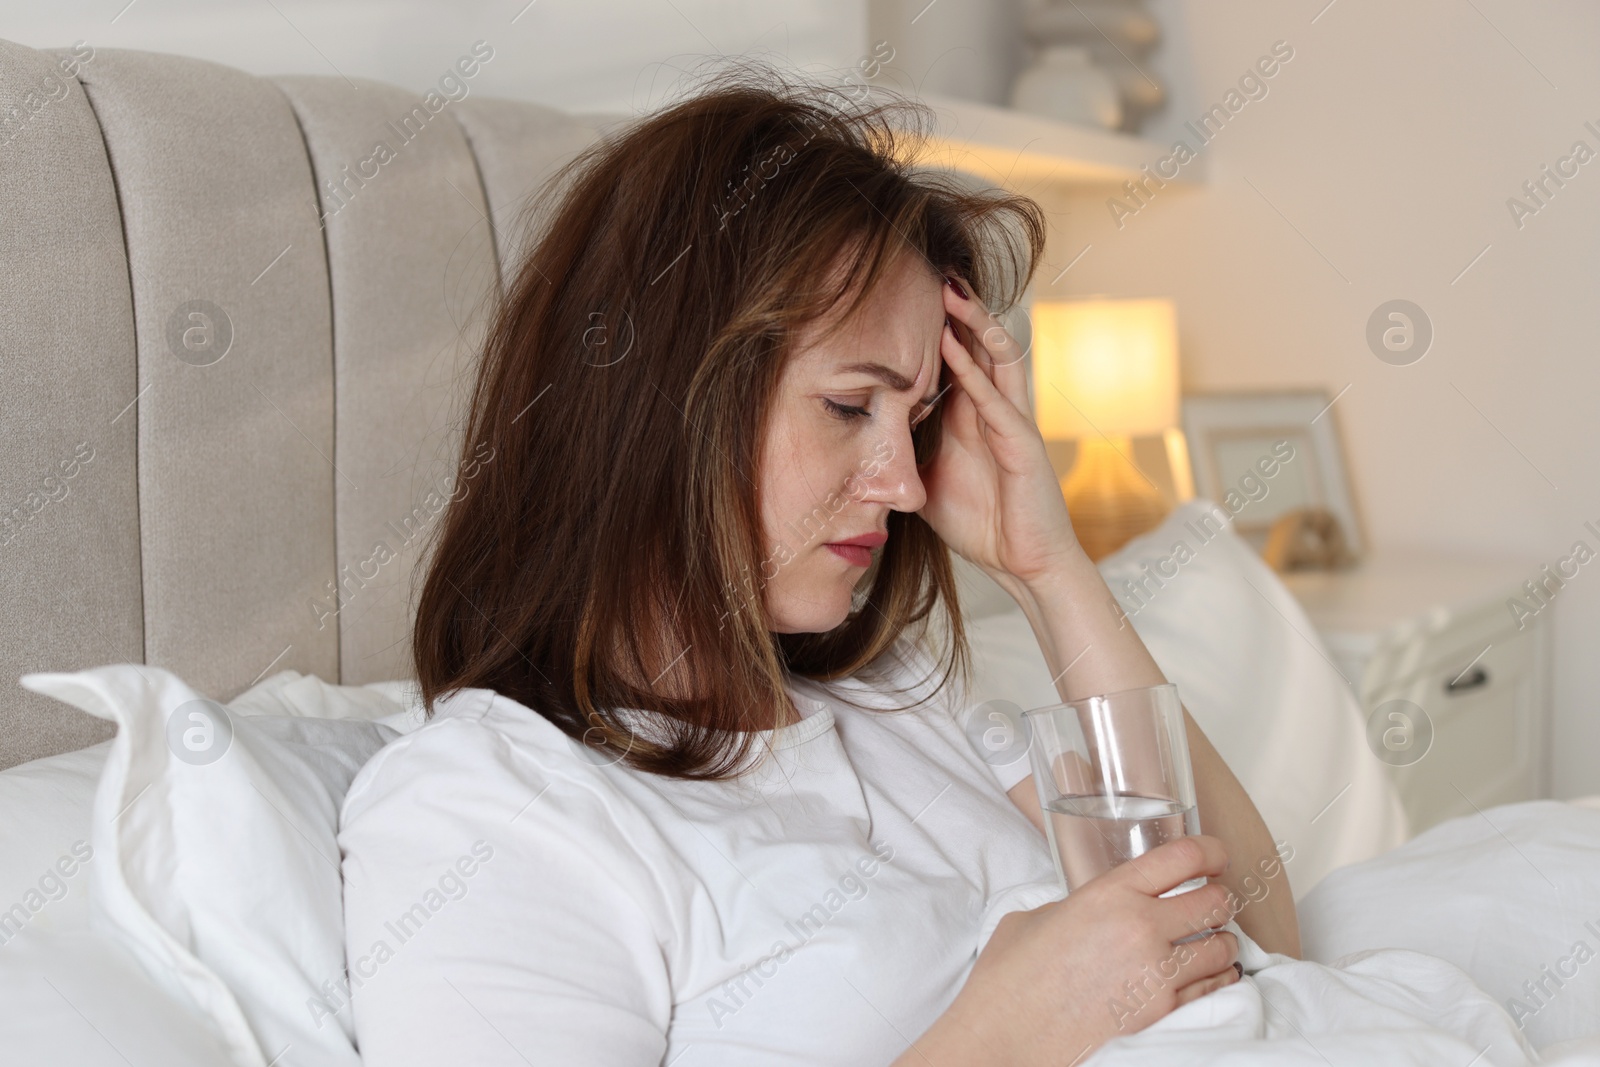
point(609, 557)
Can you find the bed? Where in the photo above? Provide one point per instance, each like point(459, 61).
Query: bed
point(236, 342)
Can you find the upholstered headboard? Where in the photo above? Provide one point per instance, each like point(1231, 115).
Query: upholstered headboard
point(240, 321)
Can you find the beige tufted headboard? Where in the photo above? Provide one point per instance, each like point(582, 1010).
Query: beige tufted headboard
point(239, 323)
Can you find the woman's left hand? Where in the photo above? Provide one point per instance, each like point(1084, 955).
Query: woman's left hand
point(992, 494)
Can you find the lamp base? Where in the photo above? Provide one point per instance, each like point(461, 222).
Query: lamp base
point(1110, 502)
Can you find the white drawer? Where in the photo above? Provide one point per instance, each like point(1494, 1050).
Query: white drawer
point(1435, 643)
point(1405, 623)
point(1479, 708)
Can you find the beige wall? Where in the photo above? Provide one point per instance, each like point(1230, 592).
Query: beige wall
point(1378, 166)
point(1389, 143)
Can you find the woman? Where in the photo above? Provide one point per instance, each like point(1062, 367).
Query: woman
point(695, 788)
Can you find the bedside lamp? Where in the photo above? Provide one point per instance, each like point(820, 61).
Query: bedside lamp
point(1105, 371)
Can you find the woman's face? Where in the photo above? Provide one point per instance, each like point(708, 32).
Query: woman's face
point(838, 454)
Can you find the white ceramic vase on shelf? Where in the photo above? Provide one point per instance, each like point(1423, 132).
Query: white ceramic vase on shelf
point(1062, 83)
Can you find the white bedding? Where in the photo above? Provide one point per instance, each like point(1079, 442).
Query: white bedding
point(1390, 1006)
point(79, 998)
point(211, 869)
point(1422, 955)
point(1489, 899)
point(1510, 895)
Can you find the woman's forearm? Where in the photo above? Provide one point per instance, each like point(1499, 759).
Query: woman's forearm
point(1092, 649)
point(1257, 876)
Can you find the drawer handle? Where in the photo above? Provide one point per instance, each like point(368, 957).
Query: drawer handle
point(1473, 679)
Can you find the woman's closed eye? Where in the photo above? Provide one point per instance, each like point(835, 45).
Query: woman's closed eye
point(852, 411)
point(844, 411)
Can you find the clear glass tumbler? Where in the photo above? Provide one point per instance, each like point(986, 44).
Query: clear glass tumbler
point(1114, 779)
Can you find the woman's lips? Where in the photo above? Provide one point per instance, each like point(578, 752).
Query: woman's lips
point(855, 555)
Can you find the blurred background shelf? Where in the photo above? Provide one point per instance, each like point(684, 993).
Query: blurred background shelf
point(1016, 149)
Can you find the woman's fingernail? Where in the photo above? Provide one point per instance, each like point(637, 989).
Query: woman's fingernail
point(1239, 970)
point(956, 286)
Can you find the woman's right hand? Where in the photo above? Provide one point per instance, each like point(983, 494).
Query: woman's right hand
point(1062, 979)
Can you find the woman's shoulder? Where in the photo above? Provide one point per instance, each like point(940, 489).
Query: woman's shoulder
point(479, 759)
point(460, 737)
point(531, 867)
point(486, 770)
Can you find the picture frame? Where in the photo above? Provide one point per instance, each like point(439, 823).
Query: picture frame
point(1235, 438)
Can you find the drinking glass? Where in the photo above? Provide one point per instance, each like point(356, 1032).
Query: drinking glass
point(1114, 779)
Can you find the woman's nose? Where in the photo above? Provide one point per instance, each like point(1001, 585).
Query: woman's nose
point(888, 475)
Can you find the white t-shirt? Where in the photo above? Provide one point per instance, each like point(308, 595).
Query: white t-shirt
point(512, 896)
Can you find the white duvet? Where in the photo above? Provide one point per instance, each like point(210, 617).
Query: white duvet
point(1388, 1006)
point(1423, 955)
point(1498, 903)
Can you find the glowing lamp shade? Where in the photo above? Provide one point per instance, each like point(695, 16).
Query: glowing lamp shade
point(1105, 367)
point(1104, 372)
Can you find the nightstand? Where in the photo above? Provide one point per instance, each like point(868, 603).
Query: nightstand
point(1456, 695)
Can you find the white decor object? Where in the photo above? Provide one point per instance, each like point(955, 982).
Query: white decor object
point(1063, 84)
point(1118, 35)
point(1120, 24)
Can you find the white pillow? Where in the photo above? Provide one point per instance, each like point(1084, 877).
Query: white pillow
point(1249, 667)
point(46, 804)
point(396, 704)
point(215, 851)
point(80, 997)
point(45, 846)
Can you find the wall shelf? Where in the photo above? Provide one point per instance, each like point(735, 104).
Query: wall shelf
point(1014, 148)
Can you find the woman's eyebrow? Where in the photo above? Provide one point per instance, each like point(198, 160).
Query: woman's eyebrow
point(887, 375)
